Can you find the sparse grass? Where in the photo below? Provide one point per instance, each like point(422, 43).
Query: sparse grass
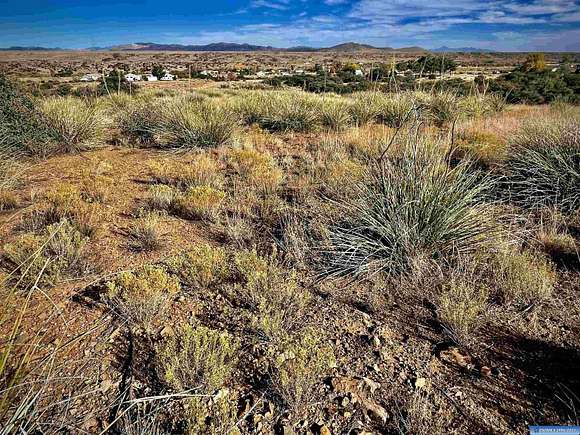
point(74, 124)
point(415, 206)
point(301, 364)
point(145, 234)
point(461, 304)
point(543, 168)
point(258, 169)
point(142, 296)
point(198, 357)
point(162, 197)
point(65, 202)
point(201, 266)
point(8, 200)
point(522, 278)
point(202, 170)
point(482, 147)
point(201, 202)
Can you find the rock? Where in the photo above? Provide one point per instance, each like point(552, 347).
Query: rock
point(420, 382)
point(372, 385)
point(360, 391)
point(105, 385)
point(166, 331)
point(485, 371)
point(324, 430)
point(345, 401)
point(376, 341)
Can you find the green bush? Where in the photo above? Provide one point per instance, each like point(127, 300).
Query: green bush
point(413, 207)
point(543, 167)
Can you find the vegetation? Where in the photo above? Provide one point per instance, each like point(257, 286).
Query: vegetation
point(276, 261)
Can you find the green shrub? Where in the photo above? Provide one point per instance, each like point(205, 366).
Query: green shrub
point(201, 202)
point(543, 167)
point(443, 108)
point(60, 251)
point(145, 234)
point(335, 114)
point(22, 125)
point(299, 366)
point(198, 357)
point(142, 296)
point(201, 266)
point(413, 207)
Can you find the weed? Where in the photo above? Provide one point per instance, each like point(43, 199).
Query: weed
point(8, 200)
point(257, 169)
point(217, 415)
point(162, 197)
point(142, 296)
point(198, 357)
point(201, 266)
point(145, 234)
point(201, 202)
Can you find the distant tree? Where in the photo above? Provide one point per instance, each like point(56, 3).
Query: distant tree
point(534, 62)
point(115, 82)
point(158, 71)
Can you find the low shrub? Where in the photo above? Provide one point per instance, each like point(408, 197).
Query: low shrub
point(142, 296)
point(145, 233)
point(300, 365)
point(201, 266)
point(8, 200)
point(258, 169)
point(138, 122)
point(213, 416)
point(198, 357)
point(201, 202)
point(59, 251)
point(277, 302)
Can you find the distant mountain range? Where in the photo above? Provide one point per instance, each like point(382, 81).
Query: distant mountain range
point(347, 47)
point(446, 49)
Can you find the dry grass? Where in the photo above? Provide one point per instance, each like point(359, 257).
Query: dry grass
point(145, 233)
point(74, 124)
point(202, 202)
point(258, 169)
point(203, 170)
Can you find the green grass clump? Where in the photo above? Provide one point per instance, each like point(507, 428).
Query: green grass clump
point(335, 114)
point(137, 121)
point(142, 296)
point(74, 124)
point(198, 357)
point(414, 206)
point(195, 124)
point(443, 108)
point(543, 165)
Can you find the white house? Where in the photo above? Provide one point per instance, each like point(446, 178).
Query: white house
point(93, 77)
point(150, 78)
point(133, 77)
point(167, 77)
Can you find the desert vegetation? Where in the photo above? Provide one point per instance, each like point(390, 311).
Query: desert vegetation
point(279, 261)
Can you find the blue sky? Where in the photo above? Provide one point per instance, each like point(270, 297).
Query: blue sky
point(502, 25)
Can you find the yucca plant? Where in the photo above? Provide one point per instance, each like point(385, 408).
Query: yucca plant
point(335, 114)
point(74, 124)
point(195, 124)
point(411, 208)
point(395, 110)
point(543, 168)
point(444, 108)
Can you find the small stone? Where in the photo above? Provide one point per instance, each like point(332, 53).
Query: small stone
point(324, 430)
point(346, 414)
point(485, 371)
point(376, 368)
point(420, 382)
point(345, 401)
point(376, 341)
